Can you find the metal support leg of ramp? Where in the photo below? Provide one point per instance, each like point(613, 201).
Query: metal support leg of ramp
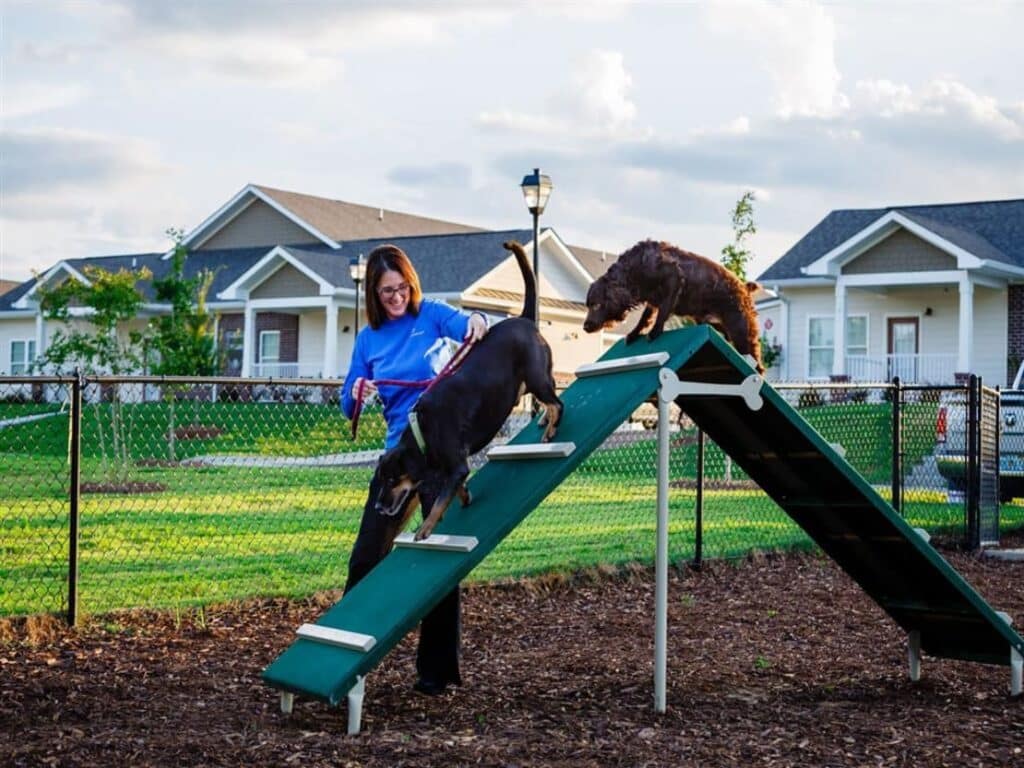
point(669, 389)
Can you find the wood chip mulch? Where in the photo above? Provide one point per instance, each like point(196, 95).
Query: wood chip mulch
point(777, 661)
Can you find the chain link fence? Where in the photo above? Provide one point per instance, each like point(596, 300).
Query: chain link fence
point(200, 491)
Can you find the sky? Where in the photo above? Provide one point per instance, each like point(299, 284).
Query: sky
point(121, 119)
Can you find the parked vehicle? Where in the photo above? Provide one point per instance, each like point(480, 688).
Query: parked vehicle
point(951, 437)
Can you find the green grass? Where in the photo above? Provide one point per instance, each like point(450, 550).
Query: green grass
point(224, 533)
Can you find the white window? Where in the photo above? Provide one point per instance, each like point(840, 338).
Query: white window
point(821, 343)
point(856, 335)
point(820, 346)
point(23, 353)
point(270, 346)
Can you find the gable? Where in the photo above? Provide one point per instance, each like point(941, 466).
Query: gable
point(286, 283)
point(902, 251)
point(257, 224)
point(557, 279)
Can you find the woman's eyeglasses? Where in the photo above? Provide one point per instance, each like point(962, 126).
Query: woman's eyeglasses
point(388, 291)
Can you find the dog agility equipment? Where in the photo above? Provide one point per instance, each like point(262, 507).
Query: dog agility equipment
point(720, 391)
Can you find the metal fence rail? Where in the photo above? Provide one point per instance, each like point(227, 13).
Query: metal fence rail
point(171, 492)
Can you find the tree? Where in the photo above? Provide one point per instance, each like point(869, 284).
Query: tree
point(736, 256)
point(95, 339)
point(107, 303)
point(183, 339)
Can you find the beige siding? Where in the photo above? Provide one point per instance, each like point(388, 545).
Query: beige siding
point(557, 280)
point(901, 252)
point(286, 283)
point(258, 224)
point(570, 346)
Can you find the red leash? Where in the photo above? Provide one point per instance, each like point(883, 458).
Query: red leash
point(449, 368)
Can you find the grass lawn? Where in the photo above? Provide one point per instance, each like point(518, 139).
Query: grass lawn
point(217, 533)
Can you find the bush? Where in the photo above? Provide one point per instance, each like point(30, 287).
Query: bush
point(810, 398)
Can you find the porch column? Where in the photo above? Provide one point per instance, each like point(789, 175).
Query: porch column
point(839, 332)
point(248, 342)
point(330, 340)
point(964, 352)
point(40, 333)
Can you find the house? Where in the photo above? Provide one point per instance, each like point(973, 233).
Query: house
point(928, 293)
point(285, 303)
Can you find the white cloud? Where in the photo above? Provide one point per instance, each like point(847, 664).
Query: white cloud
point(594, 103)
point(266, 60)
point(24, 98)
point(794, 42)
point(941, 101)
point(53, 159)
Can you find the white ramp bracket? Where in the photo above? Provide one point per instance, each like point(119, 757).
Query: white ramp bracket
point(672, 387)
point(914, 643)
point(287, 702)
point(337, 637)
point(1016, 661)
point(355, 705)
point(439, 541)
point(532, 451)
point(653, 360)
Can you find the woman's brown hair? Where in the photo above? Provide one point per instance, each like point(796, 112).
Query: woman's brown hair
point(389, 258)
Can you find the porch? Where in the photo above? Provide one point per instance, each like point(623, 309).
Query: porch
point(910, 368)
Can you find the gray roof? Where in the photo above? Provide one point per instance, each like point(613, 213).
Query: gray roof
point(446, 263)
point(990, 230)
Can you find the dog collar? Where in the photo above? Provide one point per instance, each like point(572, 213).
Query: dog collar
point(414, 425)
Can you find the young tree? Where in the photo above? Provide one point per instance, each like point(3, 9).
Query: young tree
point(736, 256)
point(183, 339)
point(95, 339)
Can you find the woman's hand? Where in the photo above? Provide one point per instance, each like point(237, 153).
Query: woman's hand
point(477, 327)
point(369, 389)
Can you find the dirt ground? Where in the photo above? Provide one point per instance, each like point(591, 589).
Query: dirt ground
point(778, 661)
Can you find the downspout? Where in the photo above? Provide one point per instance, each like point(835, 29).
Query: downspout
point(784, 332)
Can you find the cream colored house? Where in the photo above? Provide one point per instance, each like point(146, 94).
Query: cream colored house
point(285, 301)
point(927, 293)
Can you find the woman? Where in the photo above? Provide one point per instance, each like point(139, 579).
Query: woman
point(403, 341)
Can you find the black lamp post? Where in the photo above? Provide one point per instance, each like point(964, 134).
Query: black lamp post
point(357, 271)
point(536, 191)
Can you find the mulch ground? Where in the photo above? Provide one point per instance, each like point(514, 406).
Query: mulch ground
point(780, 661)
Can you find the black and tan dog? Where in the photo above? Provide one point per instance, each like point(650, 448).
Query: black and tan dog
point(462, 412)
point(667, 280)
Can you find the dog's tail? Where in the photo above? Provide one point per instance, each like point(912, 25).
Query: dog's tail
point(529, 280)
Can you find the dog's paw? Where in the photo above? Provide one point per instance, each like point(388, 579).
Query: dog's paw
point(423, 532)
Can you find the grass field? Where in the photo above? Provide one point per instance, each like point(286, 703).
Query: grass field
point(216, 533)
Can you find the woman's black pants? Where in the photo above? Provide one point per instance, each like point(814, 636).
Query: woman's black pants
point(437, 658)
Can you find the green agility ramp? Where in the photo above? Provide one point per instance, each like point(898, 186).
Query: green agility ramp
point(774, 445)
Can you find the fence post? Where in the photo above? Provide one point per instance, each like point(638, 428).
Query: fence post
point(698, 544)
point(973, 486)
point(897, 445)
point(74, 492)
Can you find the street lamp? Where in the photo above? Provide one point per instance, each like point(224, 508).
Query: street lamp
point(536, 191)
point(357, 271)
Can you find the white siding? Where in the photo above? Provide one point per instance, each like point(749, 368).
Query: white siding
point(14, 329)
point(938, 331)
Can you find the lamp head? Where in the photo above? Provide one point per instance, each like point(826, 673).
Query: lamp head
point(536, 188)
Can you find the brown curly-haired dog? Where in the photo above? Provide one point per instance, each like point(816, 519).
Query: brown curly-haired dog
point(668, 280)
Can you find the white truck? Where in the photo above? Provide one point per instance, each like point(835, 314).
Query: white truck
point(951, 438)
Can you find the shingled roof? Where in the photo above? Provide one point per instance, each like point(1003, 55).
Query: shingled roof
point(991, 230)
point(346, 221)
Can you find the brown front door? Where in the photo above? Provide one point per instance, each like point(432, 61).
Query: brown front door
point(902, 347)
